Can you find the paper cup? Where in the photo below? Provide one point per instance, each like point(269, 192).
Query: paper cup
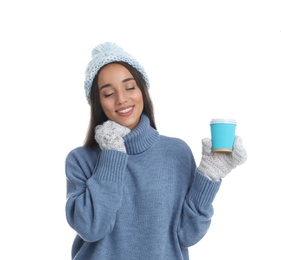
point(223, 135)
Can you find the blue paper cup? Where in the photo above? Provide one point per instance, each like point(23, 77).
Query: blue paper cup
point(223, 135)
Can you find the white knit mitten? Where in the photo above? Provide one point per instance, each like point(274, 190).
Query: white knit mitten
point(110, 135)
point(218, 165)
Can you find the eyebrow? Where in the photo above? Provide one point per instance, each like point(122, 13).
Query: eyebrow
point(109, 85)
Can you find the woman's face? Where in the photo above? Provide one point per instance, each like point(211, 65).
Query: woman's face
point(121, 98)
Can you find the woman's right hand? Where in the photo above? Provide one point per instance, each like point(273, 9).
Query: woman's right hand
point(110, 135)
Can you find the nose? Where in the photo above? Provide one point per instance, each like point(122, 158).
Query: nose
point(121, 97)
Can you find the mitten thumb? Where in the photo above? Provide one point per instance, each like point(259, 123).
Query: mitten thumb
point(206, 146)
point(239, 154)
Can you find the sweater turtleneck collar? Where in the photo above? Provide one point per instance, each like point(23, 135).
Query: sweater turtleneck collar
point(141, 138)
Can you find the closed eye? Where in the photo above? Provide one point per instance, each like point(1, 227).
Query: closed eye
point(107, 95)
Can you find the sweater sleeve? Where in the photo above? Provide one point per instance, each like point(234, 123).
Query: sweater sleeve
point(197, 210)
point(94, 191)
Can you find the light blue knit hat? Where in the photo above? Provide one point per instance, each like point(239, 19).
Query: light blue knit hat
point(106, 53)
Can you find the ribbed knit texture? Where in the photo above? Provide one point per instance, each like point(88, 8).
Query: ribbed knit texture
point(111, 167)
point(148, 204)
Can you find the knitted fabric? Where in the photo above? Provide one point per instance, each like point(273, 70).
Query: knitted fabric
point(147, 204)
point(218, 165)
point(110, 135)
point(106, 53)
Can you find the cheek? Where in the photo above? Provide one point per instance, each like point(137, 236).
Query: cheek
point(139, 99)
point(105, 104)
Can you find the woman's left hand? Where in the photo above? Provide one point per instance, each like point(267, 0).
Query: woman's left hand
point(218, 165)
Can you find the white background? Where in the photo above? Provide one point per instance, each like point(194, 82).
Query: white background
point(205, 59)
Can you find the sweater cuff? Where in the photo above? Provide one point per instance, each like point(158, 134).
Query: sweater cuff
point(111, 166)
point(204, 190)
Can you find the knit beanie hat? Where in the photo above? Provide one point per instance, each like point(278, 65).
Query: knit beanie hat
point(106, 53)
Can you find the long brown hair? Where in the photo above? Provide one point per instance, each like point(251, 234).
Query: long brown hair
point(98, 117)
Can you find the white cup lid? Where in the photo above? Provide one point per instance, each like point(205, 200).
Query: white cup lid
point(223, 120)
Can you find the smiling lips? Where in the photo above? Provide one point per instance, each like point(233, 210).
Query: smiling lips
point(125, 111)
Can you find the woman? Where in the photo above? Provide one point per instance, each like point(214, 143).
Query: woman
point(132, 193)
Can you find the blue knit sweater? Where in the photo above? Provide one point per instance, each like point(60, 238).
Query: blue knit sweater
point(148, 204)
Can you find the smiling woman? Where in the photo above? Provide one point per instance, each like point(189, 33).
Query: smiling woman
point(131, 192)
point(133, 80)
